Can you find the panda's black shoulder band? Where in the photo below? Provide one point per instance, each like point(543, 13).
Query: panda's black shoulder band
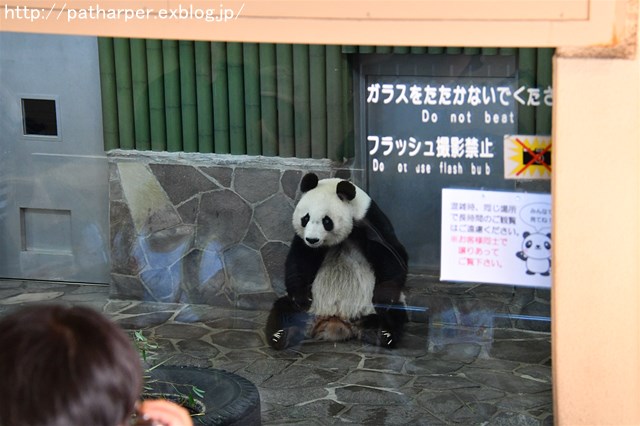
point(346, 190)
point(309, 181)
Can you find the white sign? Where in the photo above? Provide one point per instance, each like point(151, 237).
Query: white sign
point(496, 237)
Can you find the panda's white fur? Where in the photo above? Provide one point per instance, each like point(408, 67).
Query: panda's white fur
point(344, 283)
point(322, 202)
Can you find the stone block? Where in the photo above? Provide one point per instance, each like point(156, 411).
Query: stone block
point(174, 178)
point(255, 185)
point(273, 216)
point(223, 219)
point(221, 174)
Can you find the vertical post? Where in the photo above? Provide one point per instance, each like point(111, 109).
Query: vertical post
point(237, 135)
point(155, 79)
point(544, 81)
point(204, 96)
point(335, 129)
point(170, 58)
point(301, 83)
point(317, 74)
point(188, 96)
point(268, 93)
point(140, 94)
point(123, 89)
point(347, 109)
point(526, 78)
point(284, 60)
point(108, 92)
point(251, 60)
point(220, 98)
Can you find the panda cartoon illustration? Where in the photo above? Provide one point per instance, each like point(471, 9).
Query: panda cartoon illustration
point(536, 252)
point(344, 273)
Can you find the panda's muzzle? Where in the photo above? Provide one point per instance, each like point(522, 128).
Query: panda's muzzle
point(312, 241)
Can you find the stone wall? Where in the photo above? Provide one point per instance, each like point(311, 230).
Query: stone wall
point(192, 228)
point(215, 230)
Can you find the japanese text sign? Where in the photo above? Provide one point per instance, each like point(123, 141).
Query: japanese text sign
point(496, 237)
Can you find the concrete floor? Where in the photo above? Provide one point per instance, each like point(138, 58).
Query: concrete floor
point(439, 375)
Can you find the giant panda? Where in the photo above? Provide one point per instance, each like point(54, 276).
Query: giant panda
point(344, 273)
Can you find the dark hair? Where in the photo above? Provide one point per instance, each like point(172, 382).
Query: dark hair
point(66, 366)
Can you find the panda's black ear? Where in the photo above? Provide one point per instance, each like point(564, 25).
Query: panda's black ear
point(346, 190)
point(526, 234)
point(309, 181)
point(549, 235)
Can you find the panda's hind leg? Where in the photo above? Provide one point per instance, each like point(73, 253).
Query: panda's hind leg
point(286, 325)
point(385, 327)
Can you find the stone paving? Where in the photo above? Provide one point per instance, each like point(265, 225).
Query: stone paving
point(441, 374)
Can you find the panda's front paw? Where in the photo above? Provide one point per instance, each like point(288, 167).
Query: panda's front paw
point(386, 339)
point(302, 301)
point(278, 340)
point(382, 338)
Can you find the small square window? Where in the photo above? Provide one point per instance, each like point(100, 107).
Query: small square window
point(39, 117)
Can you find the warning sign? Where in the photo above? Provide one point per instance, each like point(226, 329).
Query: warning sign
point(527, 157)
point(496, 237)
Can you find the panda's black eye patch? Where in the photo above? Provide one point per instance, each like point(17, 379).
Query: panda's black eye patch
point(547, 245)
point(304, 220)
point(327, 223)
point(528, 244)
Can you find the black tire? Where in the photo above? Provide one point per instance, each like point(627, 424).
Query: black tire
point(229, 399)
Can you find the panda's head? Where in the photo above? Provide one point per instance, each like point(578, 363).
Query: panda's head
point(537, 245)
point(325, 214)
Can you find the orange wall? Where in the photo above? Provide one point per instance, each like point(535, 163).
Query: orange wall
point(596, 292)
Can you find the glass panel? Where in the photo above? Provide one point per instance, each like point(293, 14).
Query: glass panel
point(286, 299)
point(39, 117)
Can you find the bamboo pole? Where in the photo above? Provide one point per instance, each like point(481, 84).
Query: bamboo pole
point(284, 78)
point(155, 78)
point(508, 51)
point(109, 93)
point(318, 107)
point(302, 115)
point(251, 60)
point(140, 94)
point(237, 134)
point(527, 78)
point(544, 82)
point(347, 109)
point(188, 101)
point(122, 54)
point(171, 60)
point(220, 98)
point(268, 103)
point(489, 51)
point(204, 96)
point(335, 129)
